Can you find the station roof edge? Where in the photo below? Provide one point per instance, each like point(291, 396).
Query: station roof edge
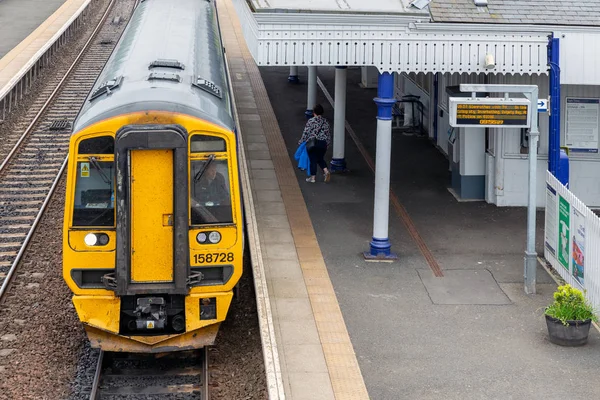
point(397, 7)
point(419, 23)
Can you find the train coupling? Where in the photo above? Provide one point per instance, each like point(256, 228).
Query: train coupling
point(151, 313)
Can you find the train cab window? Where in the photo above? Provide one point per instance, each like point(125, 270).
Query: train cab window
point(94, 194)
point(207, 144)
point(97, 145)
point(210, 192)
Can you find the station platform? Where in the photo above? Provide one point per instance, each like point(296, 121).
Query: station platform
point(448, 320)
point(26, 26)
point(19, 18)
point(471, 333)
point(316, 356)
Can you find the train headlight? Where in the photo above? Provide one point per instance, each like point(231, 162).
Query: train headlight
point(96, 239)
point(90, 239)
point(201, 237)
point(214, 237)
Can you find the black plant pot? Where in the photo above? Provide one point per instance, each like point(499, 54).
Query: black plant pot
point(575, 333)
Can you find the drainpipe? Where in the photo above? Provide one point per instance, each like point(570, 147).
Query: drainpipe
point(554, 120)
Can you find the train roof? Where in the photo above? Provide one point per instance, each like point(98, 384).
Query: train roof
point(169, 58)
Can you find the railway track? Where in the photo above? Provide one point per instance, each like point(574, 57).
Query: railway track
point(128, 376)
point(32, 169)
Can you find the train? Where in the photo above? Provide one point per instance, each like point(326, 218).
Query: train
point(153, 234)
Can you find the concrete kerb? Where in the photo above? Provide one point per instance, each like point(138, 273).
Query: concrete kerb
point(275, 385)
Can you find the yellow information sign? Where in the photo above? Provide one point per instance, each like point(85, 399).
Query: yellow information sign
point(491, 114)
point(85, 170)
point(488, 112)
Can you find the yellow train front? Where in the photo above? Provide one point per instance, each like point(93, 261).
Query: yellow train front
point(153, 226)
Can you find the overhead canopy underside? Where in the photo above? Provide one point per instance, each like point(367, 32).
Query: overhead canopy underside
point(391, 35)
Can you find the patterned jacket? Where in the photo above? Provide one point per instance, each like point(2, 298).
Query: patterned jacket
point(317, 127)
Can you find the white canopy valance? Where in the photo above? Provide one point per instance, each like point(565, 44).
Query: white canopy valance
point(394, 42)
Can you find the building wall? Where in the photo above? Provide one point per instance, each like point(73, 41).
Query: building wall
point(579, 56)
point(584, 167)
point(507, 165)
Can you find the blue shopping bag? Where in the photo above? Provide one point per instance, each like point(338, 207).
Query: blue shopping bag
point(302, 157)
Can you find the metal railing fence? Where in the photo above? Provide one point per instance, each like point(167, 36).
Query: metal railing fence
point(572, 239)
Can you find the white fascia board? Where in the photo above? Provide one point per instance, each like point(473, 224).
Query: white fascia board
point(502, 28)
point(391, 43)
point(335, 19)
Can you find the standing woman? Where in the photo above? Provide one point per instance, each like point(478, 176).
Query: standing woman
point(317, 135)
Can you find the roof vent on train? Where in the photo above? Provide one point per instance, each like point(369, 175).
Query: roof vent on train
point(106, 87)
point(166, 64)
point(165, 76)
point(208, 86)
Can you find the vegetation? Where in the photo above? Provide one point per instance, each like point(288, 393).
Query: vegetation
point(570, 305)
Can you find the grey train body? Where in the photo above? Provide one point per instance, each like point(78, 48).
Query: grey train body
point(169, 58)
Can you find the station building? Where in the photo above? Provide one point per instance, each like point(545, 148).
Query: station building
point(430, 47)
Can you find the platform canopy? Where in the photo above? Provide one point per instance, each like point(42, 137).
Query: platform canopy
point(392, 35)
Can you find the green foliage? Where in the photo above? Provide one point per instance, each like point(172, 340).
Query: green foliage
point(570, 305)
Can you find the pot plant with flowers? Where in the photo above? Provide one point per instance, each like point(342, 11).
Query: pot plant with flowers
point(569, 317)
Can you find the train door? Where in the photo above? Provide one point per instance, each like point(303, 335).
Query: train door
point(151, 205)
point(152, 253)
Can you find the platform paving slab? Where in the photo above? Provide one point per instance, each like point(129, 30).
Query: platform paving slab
point(19, 18)
point(463, 287)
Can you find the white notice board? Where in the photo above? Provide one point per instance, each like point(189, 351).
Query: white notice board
point(581, 124)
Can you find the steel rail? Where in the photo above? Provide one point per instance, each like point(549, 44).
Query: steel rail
point(13, 267)
point(97, 375)
point(205, 374)
point(96, 389)
point(57, 89)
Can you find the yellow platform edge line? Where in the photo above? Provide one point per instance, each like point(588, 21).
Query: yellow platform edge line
point(273, 367)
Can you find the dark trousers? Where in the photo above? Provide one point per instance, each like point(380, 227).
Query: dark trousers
point(316, 156)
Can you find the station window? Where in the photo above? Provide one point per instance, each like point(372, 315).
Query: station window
point(207, 144)
point(97, 145)
point(94, 194)
point(210, 192)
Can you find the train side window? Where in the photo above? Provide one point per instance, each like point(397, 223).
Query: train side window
point(207, 144)
point(210, 192)
point(97, 145)
point(94, 194)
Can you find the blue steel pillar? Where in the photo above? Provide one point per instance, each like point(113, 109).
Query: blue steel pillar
point(562, 170)
point(293, 78)
point(554, 120)
point(338, 162)
point(311, 99)
point(380, 246)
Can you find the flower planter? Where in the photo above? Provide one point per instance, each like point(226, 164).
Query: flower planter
point(575, 333)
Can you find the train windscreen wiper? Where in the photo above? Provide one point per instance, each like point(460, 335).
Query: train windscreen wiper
point(97, 166)
point(201, 172)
